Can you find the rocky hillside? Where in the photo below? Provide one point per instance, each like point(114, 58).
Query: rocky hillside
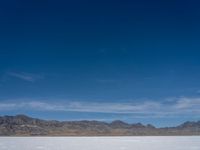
point(22, 125)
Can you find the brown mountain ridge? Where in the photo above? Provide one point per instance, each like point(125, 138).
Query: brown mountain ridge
point(22, 125)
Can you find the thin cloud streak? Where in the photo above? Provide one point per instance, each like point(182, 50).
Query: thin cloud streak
point(181, 106)
point(25, 76)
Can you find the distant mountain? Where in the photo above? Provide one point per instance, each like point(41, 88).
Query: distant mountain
point(22, 125)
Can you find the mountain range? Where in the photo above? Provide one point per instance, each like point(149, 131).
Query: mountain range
point(22, 125)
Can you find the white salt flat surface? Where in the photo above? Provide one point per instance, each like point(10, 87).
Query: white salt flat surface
point(101, 143)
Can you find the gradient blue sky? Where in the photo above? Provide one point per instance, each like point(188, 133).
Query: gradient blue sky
point(138, 61)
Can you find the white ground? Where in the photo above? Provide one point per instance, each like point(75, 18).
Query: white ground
point(100, 143)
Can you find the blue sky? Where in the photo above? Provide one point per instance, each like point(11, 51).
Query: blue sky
point(137, 61)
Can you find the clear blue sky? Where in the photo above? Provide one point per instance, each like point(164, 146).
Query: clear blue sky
point(138, 61)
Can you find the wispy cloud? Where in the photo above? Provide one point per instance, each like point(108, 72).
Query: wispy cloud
point(25, 76)
point(82, 106)
point(181, 106)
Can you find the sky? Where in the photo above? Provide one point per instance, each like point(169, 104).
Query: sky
point(136, 61)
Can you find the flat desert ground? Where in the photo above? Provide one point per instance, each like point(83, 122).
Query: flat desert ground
point(101, 143)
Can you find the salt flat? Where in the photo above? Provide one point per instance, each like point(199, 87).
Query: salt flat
point(101, 143)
